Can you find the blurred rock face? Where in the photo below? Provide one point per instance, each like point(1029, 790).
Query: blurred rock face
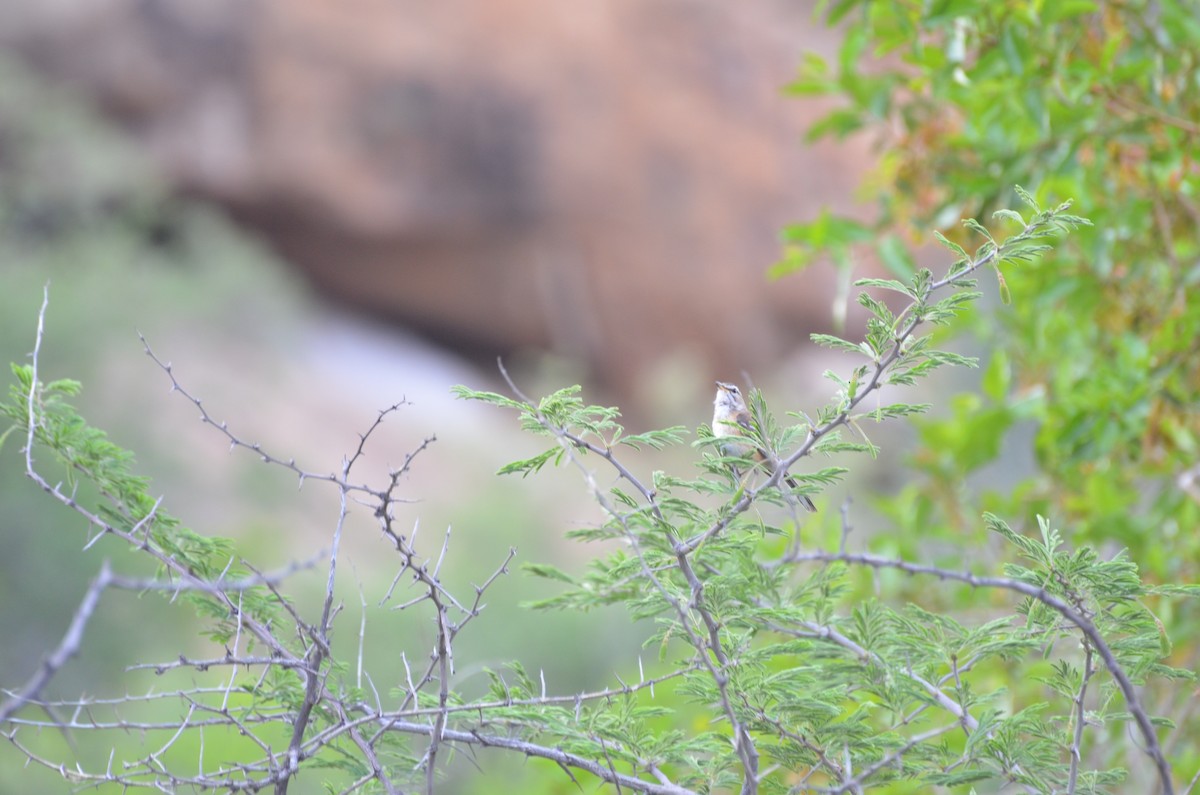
point(606, 180)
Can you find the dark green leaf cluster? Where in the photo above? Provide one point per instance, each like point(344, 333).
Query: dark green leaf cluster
point(1092, 381)
point(1097, 347)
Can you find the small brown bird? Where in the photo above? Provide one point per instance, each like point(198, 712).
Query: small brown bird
point(731, 420)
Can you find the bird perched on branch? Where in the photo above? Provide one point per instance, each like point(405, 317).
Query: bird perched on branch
point(731, 420)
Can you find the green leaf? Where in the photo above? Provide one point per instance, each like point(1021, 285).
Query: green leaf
point(464, 393)
point(997, 376)
point(887, 284)
point(975, 226)
point(838, 344)
point(814, 77)
point(896, 410)
point(1027, 198)
point(827, 230)
point(953, 359)
point(877, 308)
point(528, 466)
point(950, 244)
point(1187, 589)
point(837, 123)
point(549, 572)
point(64, 386)
point(656, 439)
point(1011, 215)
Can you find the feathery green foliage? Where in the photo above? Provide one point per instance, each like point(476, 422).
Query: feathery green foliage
point(1048, 659)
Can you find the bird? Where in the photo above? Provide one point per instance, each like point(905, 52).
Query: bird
point(731, 420)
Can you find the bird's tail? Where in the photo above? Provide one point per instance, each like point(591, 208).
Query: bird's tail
point(804, 498)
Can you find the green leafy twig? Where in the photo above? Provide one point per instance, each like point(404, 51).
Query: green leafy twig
point(896, 356)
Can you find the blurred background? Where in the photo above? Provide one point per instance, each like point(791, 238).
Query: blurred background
point(512, 178)
point(316, 210)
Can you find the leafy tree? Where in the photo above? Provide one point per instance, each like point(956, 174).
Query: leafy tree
point(1092, 373)
point(1039, 660)
point(803, 680)
point(1096, 343)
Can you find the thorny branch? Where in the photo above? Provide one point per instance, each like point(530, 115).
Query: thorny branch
point(322, 714)
point(718, 664)
point(906, 325)
point(66, 649)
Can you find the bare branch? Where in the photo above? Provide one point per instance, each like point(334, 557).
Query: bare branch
point(66, 649)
